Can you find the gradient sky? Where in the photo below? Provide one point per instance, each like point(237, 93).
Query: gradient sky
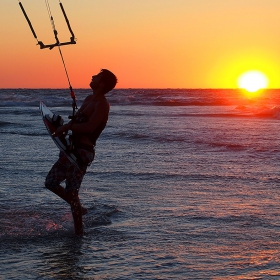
point(147, 43)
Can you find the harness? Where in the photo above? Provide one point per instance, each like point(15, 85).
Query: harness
point(93, 136)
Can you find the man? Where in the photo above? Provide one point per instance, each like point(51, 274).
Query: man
point(86, 126)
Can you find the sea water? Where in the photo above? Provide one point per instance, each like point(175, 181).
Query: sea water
point(185, 185)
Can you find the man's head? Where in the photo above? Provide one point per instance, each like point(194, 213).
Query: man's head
point(104, 81)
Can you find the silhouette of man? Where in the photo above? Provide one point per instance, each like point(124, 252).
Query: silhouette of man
point(86, 127)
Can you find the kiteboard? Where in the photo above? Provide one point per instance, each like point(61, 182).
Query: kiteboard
point(52, 121)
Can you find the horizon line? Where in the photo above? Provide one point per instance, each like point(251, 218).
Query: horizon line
point(152, 88)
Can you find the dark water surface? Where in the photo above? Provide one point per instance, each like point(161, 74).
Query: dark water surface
point(185, 185)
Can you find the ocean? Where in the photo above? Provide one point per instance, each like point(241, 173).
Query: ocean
point(184, 185)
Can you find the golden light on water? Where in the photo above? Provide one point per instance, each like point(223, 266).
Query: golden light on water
point(252, 81)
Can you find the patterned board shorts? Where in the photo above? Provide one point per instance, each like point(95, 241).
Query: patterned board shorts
point(63, 169)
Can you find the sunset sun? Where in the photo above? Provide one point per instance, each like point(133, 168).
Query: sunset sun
point(252, 81)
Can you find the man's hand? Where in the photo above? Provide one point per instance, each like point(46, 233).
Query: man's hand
point(61, 130)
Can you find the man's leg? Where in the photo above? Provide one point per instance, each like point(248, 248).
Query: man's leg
point(56, 175)
point(60, 191)
point(73, 182)
point(76, 209)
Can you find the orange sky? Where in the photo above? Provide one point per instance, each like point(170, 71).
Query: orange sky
point(147, 43)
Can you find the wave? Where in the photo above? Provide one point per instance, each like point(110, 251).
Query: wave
point(21, 223)
point(154, 97)
point(227, 146)
point(191, 103)
point(32, 97)
point(240, 220)
point(3, 123)
point(273, 112)
point(44, 133)
point(225, 103)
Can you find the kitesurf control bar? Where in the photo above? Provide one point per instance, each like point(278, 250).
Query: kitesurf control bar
point(29, 22)
point(57, 43)
point(72, 39)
